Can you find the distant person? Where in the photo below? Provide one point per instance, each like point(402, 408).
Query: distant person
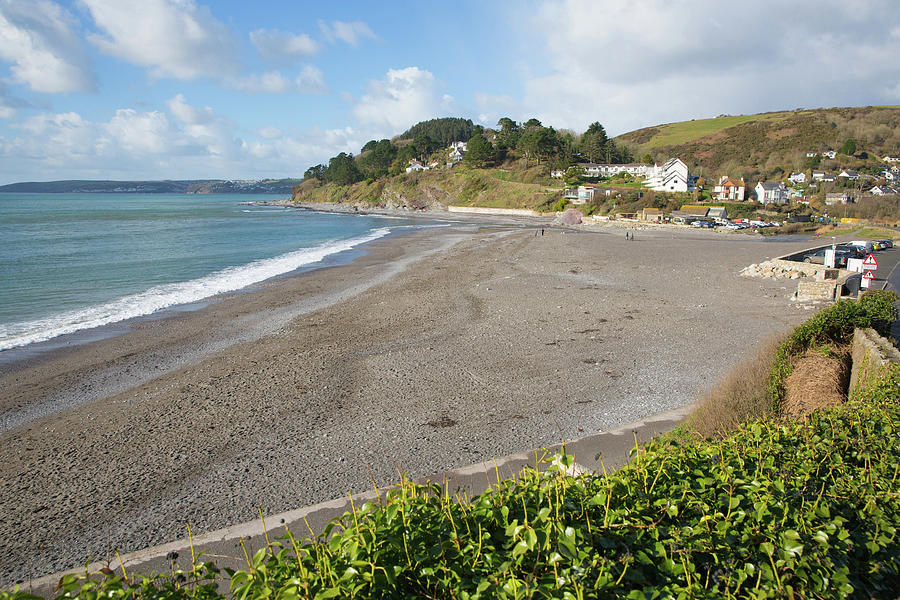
point(626, 236)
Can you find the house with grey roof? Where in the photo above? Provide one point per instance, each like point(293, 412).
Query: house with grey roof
point(771, 193)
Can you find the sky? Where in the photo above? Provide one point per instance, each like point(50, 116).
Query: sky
point(231, 89)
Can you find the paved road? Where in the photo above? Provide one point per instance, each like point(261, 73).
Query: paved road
point(890, 271)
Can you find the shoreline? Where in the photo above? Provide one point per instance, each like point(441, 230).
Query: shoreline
point(434, 350)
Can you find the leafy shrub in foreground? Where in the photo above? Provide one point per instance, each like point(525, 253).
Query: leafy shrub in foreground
point(805, 509)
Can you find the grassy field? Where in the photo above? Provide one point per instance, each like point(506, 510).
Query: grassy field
point(687, 131)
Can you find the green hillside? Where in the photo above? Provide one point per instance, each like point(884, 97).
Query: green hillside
point(757, 144)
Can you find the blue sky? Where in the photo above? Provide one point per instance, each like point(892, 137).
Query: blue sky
point(177, 89)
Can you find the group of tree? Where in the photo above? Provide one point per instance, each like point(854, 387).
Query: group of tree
point(530, 140)
point(442, 131)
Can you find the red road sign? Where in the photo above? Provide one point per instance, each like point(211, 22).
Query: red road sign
point(868, 275)
point(870, 262)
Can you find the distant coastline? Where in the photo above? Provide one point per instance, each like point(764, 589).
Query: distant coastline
point(190, 186)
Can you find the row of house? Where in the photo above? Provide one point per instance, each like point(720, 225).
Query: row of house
point(671, 176)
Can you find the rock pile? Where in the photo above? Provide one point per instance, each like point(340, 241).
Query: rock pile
point(774, 270)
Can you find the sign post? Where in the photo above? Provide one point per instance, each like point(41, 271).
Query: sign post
point(870, 264)
point(866, 279)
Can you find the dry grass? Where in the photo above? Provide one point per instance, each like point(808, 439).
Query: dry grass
point(819, 379)
point(740, 396)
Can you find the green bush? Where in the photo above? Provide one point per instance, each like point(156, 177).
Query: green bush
point(804, 509)
point(560, 205)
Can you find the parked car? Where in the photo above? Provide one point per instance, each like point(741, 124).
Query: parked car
point(887, 243)
point(853, 251)
point(818, 257)
point(703, 224)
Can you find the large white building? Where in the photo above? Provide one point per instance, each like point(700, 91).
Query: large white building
point(598, 170)
point(671, 176)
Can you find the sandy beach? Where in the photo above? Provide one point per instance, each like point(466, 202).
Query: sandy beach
point(434, 350)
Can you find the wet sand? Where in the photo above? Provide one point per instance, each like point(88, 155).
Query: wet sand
point(435, 350)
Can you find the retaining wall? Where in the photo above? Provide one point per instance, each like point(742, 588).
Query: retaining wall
point(477, 210)
point(871, 353)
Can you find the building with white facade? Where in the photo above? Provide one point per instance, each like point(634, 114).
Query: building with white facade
point(771, 193)
point(730, 190)
point(601, 170)
point(671, 176)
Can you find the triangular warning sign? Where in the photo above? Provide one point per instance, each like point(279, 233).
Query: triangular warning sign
point(870, 262)
point(868, 275)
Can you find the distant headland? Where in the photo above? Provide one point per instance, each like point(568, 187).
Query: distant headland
point(193, 186)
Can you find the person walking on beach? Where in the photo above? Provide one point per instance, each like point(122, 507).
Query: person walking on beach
point(626, 236)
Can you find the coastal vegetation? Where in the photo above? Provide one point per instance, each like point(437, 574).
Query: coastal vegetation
point(770, 145)
point(772, 508)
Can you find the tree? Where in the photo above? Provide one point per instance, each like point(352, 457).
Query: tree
point(479, 151)
point(647, 159)
point(508, 136)
point(342, 170)
point(316, 172)
point(849, 147)
point(378, 161)
point(425, 145)
point(594, 142)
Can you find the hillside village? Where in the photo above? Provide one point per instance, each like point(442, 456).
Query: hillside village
point(532, 166)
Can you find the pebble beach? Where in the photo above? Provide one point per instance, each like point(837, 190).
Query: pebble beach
point(432, 350)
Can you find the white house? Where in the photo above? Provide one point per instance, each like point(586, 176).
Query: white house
point(891, 175)
point(729, 189)
point(837, 198)
point(586, 193)
point(829, 154)
point(557, 173)
point(415, 165)
point(671, 176)
point(849, 174)
point(797, 178)
point(771, 193)
point(811, 154)
point(891, 159)
point(883, 190)
point(456, 155)
point(461, 146)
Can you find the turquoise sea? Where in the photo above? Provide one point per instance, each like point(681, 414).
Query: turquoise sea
point(70, 262)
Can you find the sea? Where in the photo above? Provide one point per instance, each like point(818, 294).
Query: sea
point(73, 262)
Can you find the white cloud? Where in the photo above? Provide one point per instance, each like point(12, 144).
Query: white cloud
point(271, 82)
point(38, 38)
point(651, 61)
point(349, 33)
point(310, 81)
point(172, 38)
point(281, 46)
point(402, 98)
point(182, 142)
point(140, 133)
point(270, 132)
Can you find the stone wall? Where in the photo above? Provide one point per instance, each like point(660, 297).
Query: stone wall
point(477, 210)
point(870, 354)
